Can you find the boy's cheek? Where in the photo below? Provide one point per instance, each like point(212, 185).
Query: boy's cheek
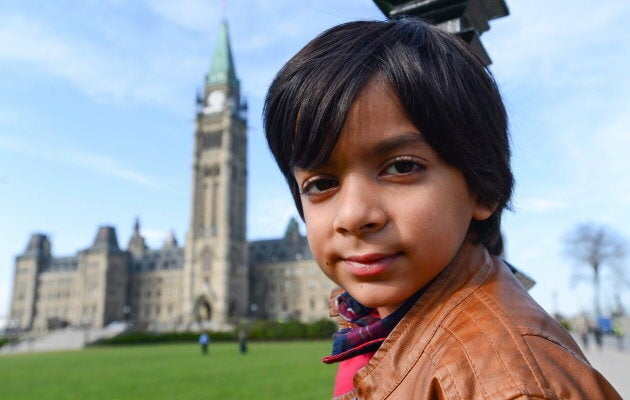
point(328, 269)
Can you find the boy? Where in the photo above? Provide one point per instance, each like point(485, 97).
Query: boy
point(393, 140)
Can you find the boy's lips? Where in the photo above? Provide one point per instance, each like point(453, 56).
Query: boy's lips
point(369, 264)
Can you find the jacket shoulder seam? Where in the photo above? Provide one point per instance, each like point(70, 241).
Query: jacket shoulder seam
point(490, 304)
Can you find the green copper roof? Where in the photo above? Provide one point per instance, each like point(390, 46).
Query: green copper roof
point(222, 68)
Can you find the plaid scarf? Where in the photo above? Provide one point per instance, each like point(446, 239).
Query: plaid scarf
point(367, 331)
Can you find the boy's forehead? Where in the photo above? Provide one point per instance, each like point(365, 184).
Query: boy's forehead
point(376, 124)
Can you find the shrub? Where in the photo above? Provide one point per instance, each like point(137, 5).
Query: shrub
point(258, 330)
point(139, 337)
point(321, 329)
point(273, 330)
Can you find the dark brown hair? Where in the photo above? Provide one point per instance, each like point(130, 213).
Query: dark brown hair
point(445, 90)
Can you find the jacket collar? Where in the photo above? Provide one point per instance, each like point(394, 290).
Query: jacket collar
point(470, 267)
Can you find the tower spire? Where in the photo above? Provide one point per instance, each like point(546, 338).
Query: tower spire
point(222, 68)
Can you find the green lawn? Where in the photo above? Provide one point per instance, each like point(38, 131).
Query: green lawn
point(289, 370)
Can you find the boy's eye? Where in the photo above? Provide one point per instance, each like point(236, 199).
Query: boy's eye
point(403, 166)
point(316, 186)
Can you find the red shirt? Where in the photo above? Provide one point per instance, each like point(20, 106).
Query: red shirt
point(346, 371)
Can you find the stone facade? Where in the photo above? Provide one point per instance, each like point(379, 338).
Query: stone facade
point(214, 280)
point(285, 282)
point(88, 288)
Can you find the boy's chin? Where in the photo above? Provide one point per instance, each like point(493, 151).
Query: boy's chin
point(369, 301)
point(379, 298)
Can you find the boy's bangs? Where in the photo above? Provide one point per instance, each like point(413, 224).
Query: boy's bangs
point(322, 112)
point(317, 132)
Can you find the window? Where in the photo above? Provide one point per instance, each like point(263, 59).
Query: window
point(212, 139)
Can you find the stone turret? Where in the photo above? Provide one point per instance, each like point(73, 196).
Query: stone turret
point(28, 266)
point(106, 240)
point(137, 245)
point(38, 246)
point(103, 274)
point(293, 231)
point(171, 240)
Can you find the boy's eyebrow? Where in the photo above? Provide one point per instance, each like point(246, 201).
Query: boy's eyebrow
point(395, 142)
point(382, 147)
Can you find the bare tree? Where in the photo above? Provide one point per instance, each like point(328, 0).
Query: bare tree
point(596, 246)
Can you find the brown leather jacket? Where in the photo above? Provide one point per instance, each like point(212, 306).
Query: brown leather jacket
point(476, 334)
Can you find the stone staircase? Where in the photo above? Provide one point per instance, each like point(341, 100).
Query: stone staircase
point(60, 340)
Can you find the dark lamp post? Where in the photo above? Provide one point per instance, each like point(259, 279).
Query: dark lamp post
point(468, 19)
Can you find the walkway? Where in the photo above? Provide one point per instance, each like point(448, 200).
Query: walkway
point(612, 362)
point(64, 339)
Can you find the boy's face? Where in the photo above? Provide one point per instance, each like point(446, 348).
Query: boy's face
point(385, 214)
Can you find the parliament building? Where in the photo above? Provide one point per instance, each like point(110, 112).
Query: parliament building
point(214, 280)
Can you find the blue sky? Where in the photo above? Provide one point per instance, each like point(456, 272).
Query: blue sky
point(97, 109)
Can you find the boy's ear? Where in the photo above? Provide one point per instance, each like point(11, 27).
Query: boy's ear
point(481, 210)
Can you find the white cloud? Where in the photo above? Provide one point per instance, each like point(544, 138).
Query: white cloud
point(538, 204)
point(538, 41)
point(80, 158)
point(8, 116)
point(613, 141)
point(192, 14)
point(595, 156)
point(25, 41)
point(562, 67)
point(105, 64)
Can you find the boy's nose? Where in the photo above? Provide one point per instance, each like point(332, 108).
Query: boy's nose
point(359, 210)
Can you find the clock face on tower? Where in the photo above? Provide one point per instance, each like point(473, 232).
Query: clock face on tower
point(215, 102)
